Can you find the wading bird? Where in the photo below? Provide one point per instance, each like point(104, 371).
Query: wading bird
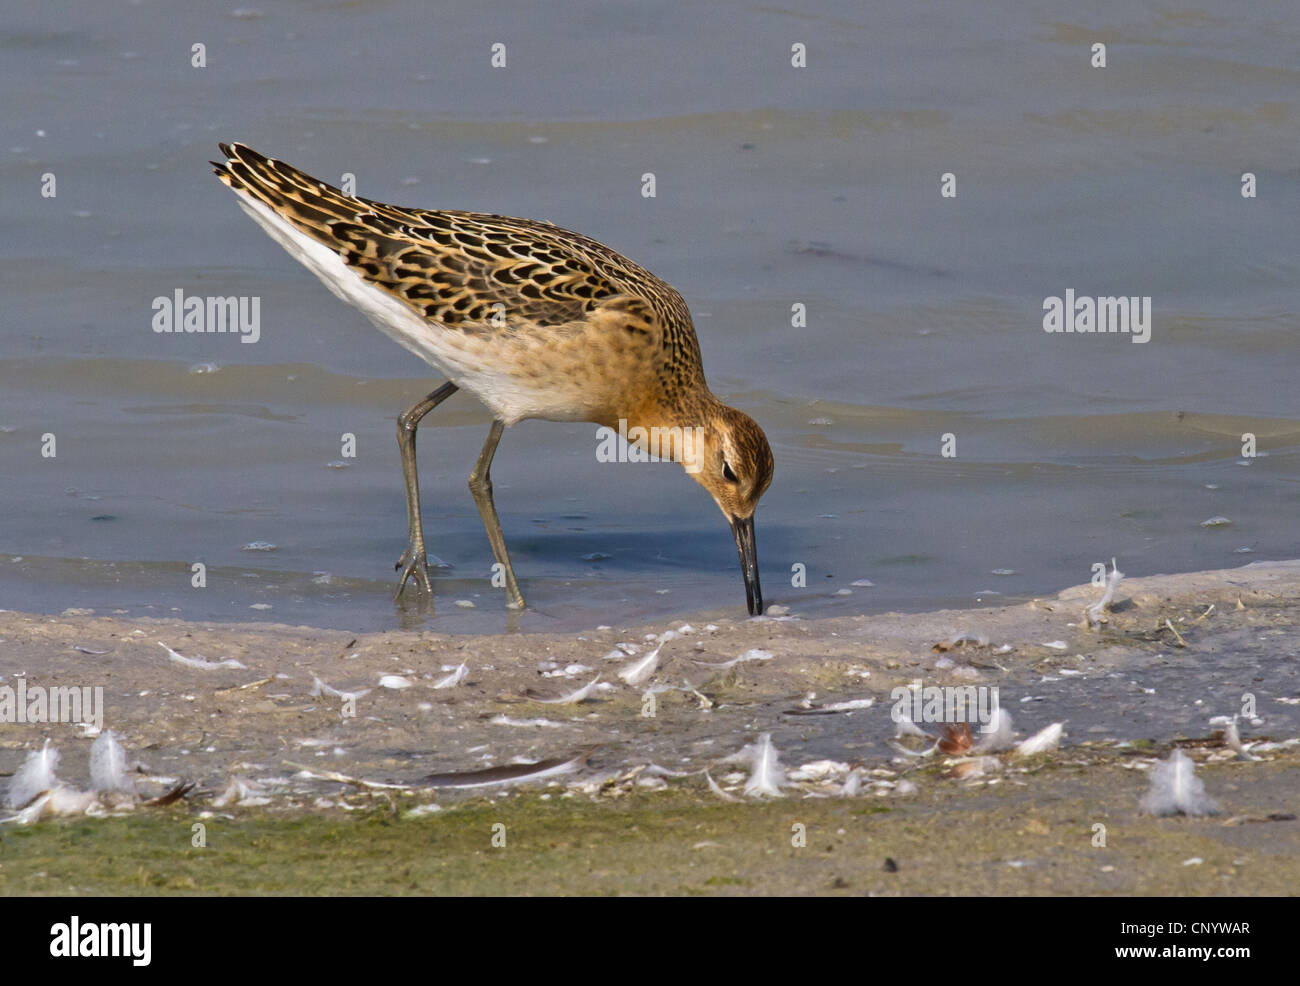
point(534, 320)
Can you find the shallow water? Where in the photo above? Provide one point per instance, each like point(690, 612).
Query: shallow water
point(775, 185)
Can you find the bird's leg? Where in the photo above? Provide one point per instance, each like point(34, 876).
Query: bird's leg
point(413, 561)
point(480, 484)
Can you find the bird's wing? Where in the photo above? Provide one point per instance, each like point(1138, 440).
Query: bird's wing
point(456, 268)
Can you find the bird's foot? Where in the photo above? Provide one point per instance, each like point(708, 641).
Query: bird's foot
point(413, 564)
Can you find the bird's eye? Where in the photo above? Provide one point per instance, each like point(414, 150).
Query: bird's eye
point(727, 474)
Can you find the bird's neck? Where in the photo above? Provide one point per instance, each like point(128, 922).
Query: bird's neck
point(672, 431)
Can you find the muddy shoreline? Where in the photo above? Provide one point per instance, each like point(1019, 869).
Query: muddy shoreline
point(1175, 652)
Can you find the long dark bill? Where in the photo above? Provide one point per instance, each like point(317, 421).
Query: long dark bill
point(743, 532)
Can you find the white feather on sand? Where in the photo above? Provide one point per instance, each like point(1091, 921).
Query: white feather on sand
point(35, 792)
point(919, 754)
point(818, 770)
point(241, 791)
point(1042, 741)
point(713, 786)
point(766, 773)
point(574, 697)
point(113, 787)
point(32, 813)
point(849, 705)
point(319, 688)
point(1095, 613)
point(202, 663)
point(453, 679)
point(504, 720)
point(1176, 788)
point(35, 776)
point(1232, 737)
point(852, 784)
point(640, 671)
point(904, 726)
point(997, 734)
point(807, 707)
point(108, 767)
point(750, 655)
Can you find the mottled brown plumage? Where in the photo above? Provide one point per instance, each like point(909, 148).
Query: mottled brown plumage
point(535, 320)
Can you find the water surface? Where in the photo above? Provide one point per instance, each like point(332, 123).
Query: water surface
point(775, 186)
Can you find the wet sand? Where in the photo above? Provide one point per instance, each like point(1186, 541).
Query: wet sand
point(639, 817)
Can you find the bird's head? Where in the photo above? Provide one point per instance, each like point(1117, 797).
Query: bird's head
point(731, 459)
